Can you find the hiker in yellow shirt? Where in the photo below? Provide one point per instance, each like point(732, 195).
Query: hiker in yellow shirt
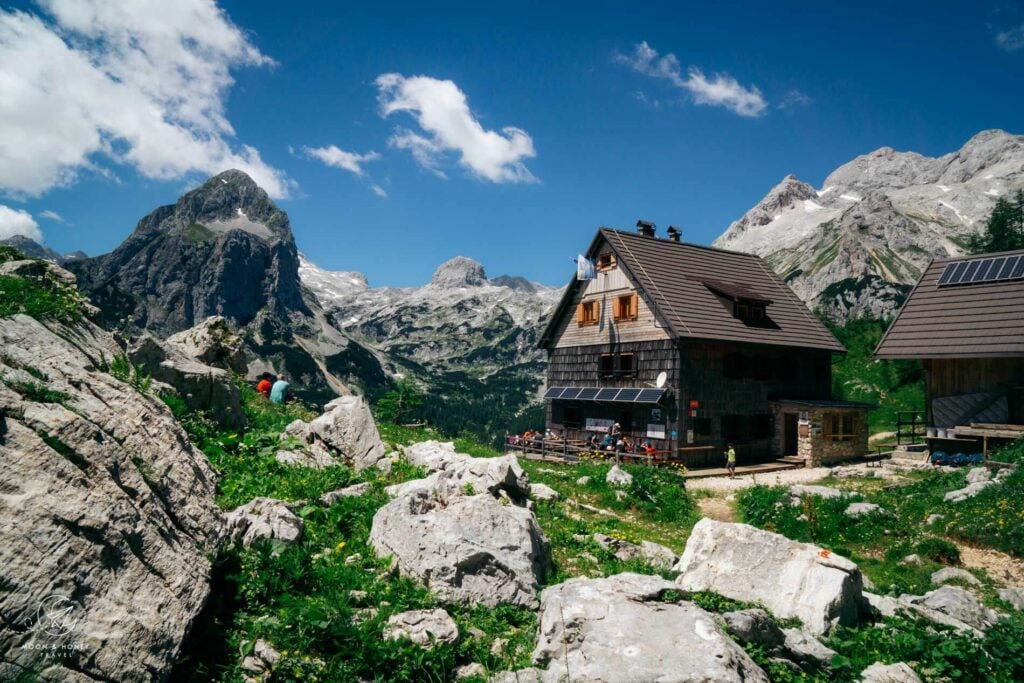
point(730, 460)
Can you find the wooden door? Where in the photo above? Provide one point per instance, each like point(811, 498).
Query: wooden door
point(790, 433)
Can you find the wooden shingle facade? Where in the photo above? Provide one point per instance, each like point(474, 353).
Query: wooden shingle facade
point(733, 344)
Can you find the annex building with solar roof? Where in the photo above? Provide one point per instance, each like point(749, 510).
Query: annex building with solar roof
point(695, 347)
point(964, 320)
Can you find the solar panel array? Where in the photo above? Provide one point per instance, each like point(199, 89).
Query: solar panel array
point(975, 271)
point(628, 395)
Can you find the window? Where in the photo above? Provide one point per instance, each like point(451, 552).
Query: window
point(627, 365)
point(750, 311)
point(761, 426)
point(606, 261)
point(742, 311)
point(839, 426)
point(571, 416)
point(588, 312)
point(625, 307)
point(607, 365)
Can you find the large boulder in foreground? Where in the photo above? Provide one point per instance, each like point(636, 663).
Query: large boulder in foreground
point(466, 548)
point(202, 387)
point(791, 579)
point(347, 428)
point(213, 343)
point(623, 628)
point(108, 513)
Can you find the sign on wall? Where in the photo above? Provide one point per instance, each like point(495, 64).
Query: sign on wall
point(689, 436)
point(596, 424)
point(655, 431)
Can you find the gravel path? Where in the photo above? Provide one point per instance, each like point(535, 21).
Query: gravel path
point(785, 477)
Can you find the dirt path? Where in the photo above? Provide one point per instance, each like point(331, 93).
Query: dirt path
point(717, 509)
point(1002, 568)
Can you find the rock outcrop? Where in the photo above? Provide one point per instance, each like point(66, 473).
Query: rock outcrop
point(818, 587)
point(263, 519)
point(111, 510)
point(212, 342)
point(202, 387)
point(345, 432)
point(425, 627)
point(625, 628)
point(889, 673)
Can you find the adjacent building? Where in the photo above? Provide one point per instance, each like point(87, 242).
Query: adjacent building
point(695, 347)
point(964, 320)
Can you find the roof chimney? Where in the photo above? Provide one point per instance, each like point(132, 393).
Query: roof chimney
point(645, 228)
point(674, 233)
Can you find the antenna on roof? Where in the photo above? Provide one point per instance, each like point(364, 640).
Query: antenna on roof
point(645, 228)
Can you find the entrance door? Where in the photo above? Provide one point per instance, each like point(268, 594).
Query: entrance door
point(789, 433)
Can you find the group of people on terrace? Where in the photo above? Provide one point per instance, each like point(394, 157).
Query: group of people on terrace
point(613, 441)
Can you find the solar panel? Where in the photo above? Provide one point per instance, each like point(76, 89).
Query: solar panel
point(982, 270)
point(553, 392)
point(570, 394)
point(606, 395)
point(649, 395)
point(588, 394)
point(628, 395)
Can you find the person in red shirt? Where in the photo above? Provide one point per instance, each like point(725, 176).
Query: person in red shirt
point(264, 385)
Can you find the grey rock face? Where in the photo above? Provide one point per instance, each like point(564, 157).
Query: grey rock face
point(106, 500)
point(969, 491)
point(952, 606)
point(347, 428)
point(801, 490)
point(656, 555)
point(315, 458)
point(806, 650)
point(543, 492)
point(947, 574)
point(855, 246)
point(213, 343)
point(862, 510)
point(978, 474)
point(459, 272)
point(466, 475)
point(261, 662)
point(619, 629)
point(201, 387)
point(889, 673)
point(332, 497)
point(818, 587)
point(425, 627)
point(263, 519)
point(1014, 596)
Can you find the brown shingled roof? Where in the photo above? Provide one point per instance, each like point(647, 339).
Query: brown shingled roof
point(673, 276)
point(980, 320)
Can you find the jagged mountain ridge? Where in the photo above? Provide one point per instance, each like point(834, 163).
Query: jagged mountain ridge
point(226, 249)
point(857, 245)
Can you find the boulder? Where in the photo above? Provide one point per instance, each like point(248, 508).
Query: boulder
point(261, 662)
point(801, 490)
point(200, 386)
point(618, 477)
point(656, 555)
point(433, 455)
point(1014, 596)
point(969, 491)
point(212, 342)
point(947, 574)
point(952, 606)
point(884, 605)
point(467, 475)
point(472, 670)
point(621, 628)
point(109, 513)
point(977, 475)
point(889, 673)
point(543, 492)
point(914, 559)
point(934, 518)
point(425, 627)
point(754, 626)
point(528, 675)
point(263, 519)
point(316, 459)
point(791, 579)
point(806, 650)
point(332, 497)
point(583, 481)
point(347, 428)
point(862, 509)
point(466, 548)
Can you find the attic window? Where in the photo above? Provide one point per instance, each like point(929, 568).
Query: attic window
point(588, 312)
point(749, 310)
point(606, 261)
point(625, 307)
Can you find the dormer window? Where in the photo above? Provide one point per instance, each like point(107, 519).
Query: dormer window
point(606, 261)
point(749, 310)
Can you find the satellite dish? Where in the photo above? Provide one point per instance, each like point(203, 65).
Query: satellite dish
point(662, 378)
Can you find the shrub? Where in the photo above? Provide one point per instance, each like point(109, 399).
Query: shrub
point(133, 375)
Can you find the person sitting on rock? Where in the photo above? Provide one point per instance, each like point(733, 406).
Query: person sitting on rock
point(264, 385)
point(281, 391)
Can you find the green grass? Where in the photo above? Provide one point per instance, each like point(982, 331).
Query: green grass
point(38, 295)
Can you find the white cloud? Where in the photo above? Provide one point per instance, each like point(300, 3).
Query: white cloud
point(1011, 39)
point(51, 215)
point(720, 90)
point(793, 99)
point(339, 158)
point(16, 222)
point(137, 82)
point(442, 112)
point(379, 191)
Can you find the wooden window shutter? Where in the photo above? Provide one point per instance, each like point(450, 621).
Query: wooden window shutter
point(597, 311)
point(616, 308)
point(579, 314)
point(634, 309)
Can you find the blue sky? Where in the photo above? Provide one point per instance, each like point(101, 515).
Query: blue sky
point(569, 124)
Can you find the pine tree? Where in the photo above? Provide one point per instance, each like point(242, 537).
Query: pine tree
point(1004, 229)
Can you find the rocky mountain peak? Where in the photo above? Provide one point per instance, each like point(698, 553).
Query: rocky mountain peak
point(459, 272)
